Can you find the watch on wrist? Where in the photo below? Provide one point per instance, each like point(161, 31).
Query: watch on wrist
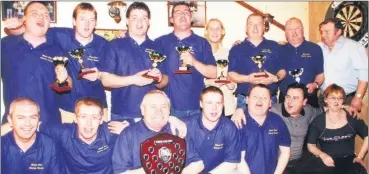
point(358, 95)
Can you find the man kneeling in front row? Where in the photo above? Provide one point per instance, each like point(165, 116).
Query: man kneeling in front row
point(155, 109)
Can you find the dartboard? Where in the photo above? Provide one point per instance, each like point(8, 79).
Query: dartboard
point(354, 18)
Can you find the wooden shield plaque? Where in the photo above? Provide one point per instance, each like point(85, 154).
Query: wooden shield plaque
point(163, 154)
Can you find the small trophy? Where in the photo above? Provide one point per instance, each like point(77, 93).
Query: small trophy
point(296, 73)
point(60, 87)
point(222, 65)
point(183, 69)
point(156, 58)
point(78, 54)
point(260, 59)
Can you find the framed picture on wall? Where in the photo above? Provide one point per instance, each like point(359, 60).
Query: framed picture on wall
point(108, 34)
point(198, 10)
point(16, 9)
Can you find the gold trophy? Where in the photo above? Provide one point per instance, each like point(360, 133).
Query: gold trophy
point(156, 58)
point(184, 68)
point(260, 59)
point(78, 54)
point(296, 73)
point(222, 65)
point(58, 86)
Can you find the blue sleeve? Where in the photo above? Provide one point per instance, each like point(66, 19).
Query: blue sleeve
point(122, 154)
point(208, 57)
point(62, 35)
point(192, 155)
point(232, 146)
point(319, 60)
point(284, 134)
point(56, 165)
point(243, 138)
point(55, 131)
point(232, 61)
point(279, 62)
point(109, 58)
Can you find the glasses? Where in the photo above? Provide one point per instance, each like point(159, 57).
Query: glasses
point(335, 98)
point(294, 98)
point(93, 117)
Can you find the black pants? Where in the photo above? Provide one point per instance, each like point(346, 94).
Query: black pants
point(314, 165)
point(312, 99)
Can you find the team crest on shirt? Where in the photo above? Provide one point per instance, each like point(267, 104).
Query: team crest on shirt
point(47, 58)
point(273, 131)
point(103, 148)
point(218, 146)
point(93, 58)
point(306, 55)
point(36, 166)
point(266, 51)
point(165, 154)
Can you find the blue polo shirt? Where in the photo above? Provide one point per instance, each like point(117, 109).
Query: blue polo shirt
point(308, 56)
point(79, 156)
point(184, 89)
point(42, 157)
point(28, 72)
point(92, 57)
point(261, 142)
point(219, 145)
point(126, 154)
point(125, 57)
point(240, 61)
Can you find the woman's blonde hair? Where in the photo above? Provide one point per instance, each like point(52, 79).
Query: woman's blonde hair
point(206, 35)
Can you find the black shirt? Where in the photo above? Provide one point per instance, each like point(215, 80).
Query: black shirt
point(336, 142)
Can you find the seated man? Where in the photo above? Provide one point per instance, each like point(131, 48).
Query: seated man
point(215, 137)
point(155, 109)
point(265, 138)
point(88, 134)
point(23, 150)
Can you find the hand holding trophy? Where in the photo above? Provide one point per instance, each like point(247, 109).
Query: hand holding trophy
point(78, 54)
point(259, 60)
point(222, 65)
point(183, 69)
point(60, 86)
point(156, 58)
point(296, 73)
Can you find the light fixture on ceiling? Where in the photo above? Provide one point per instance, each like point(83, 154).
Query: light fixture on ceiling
point(115, 8)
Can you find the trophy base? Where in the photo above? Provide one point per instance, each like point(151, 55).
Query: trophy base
point(151, 77)
point(84, 72)
point(261, 74)
point(60, 89)
point(183, 70)
point(222, 81)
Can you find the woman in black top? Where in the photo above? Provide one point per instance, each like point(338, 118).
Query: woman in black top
point(335, 131)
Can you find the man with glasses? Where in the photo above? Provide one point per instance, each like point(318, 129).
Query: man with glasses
point(345, 62)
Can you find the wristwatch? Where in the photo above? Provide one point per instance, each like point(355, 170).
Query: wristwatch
point(358, 95)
